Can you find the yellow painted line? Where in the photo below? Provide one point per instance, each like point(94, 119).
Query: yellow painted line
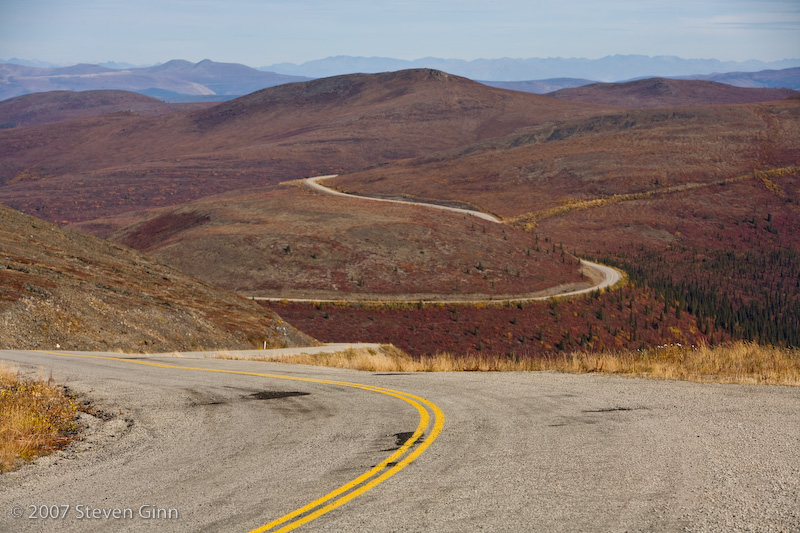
point(357, 486)
point(437, 428)
point(424, 419)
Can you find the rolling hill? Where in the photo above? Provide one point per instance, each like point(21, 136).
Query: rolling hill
point(530, 172)
point(56, 106)
point(698, 204)
point(84, 169)
point(662, 92)
point(674, 195)
point(61, 288)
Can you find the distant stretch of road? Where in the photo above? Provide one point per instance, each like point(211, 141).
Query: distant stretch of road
point(605, 276)
point(314, 183)
point(608, 278)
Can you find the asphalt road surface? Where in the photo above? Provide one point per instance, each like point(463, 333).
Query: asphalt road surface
point(225, 449)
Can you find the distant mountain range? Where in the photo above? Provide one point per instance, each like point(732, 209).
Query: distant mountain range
point(608, 69)
point(183, 81)
point(788, 78)
point(774, 79)
point(169, 81)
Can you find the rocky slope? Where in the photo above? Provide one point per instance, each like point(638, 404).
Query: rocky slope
point(60, 288)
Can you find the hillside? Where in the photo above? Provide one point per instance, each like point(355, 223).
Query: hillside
point(42, 108)
point(290, 242)
point(203, 78)
point(63, 288)
point(697, 204)
point(662, 92)
point(728, 253)
point(408, 112)
point(531, 172)
point(81, 170)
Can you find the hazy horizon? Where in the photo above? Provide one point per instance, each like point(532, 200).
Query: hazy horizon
point(261, 33)
point(112, 63)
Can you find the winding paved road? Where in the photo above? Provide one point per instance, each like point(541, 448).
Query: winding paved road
point(227, 445)
point(606, 276)
point(314, 184)
point(192, 443)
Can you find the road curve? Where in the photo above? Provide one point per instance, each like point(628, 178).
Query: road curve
point(606, 276)
point(199, 434)
point(233, 449)
point(314, 184)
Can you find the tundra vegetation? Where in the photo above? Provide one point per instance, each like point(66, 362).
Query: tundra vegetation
point(740, 362)
point(36, 418)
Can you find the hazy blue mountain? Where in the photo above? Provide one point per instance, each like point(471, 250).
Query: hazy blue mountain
point(118, 65)
point(178, 98)
point(30, 63)
point(610, 68)
point(768, 79)
point(180, 81)
point(206, 78)
point(540, 86)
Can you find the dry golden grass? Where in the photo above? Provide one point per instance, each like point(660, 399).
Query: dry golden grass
point(36, 418)
point(742, 362)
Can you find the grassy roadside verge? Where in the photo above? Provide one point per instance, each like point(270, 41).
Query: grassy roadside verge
point(742, 363)
point(36, 418)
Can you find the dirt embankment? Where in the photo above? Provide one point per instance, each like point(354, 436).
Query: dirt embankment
point(60, 288)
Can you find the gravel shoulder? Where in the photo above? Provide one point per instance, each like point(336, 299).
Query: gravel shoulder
point(519, 451)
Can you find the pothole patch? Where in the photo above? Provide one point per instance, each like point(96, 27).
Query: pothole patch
point(614, 409)
point(274, 395)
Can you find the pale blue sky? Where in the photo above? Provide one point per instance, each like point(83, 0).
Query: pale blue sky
point(258, 33)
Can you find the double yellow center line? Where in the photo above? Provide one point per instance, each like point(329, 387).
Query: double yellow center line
point(431, 419)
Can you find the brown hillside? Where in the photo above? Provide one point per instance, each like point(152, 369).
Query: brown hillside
point(663, 92)
point(697, 204)
point(42, 108)
point(60, 287)
point(543, 168)
point(81, 170)
point(755, 212)
point(290, 242)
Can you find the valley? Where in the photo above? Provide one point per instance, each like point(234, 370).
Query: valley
point(499, 253)
point(655, 177)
